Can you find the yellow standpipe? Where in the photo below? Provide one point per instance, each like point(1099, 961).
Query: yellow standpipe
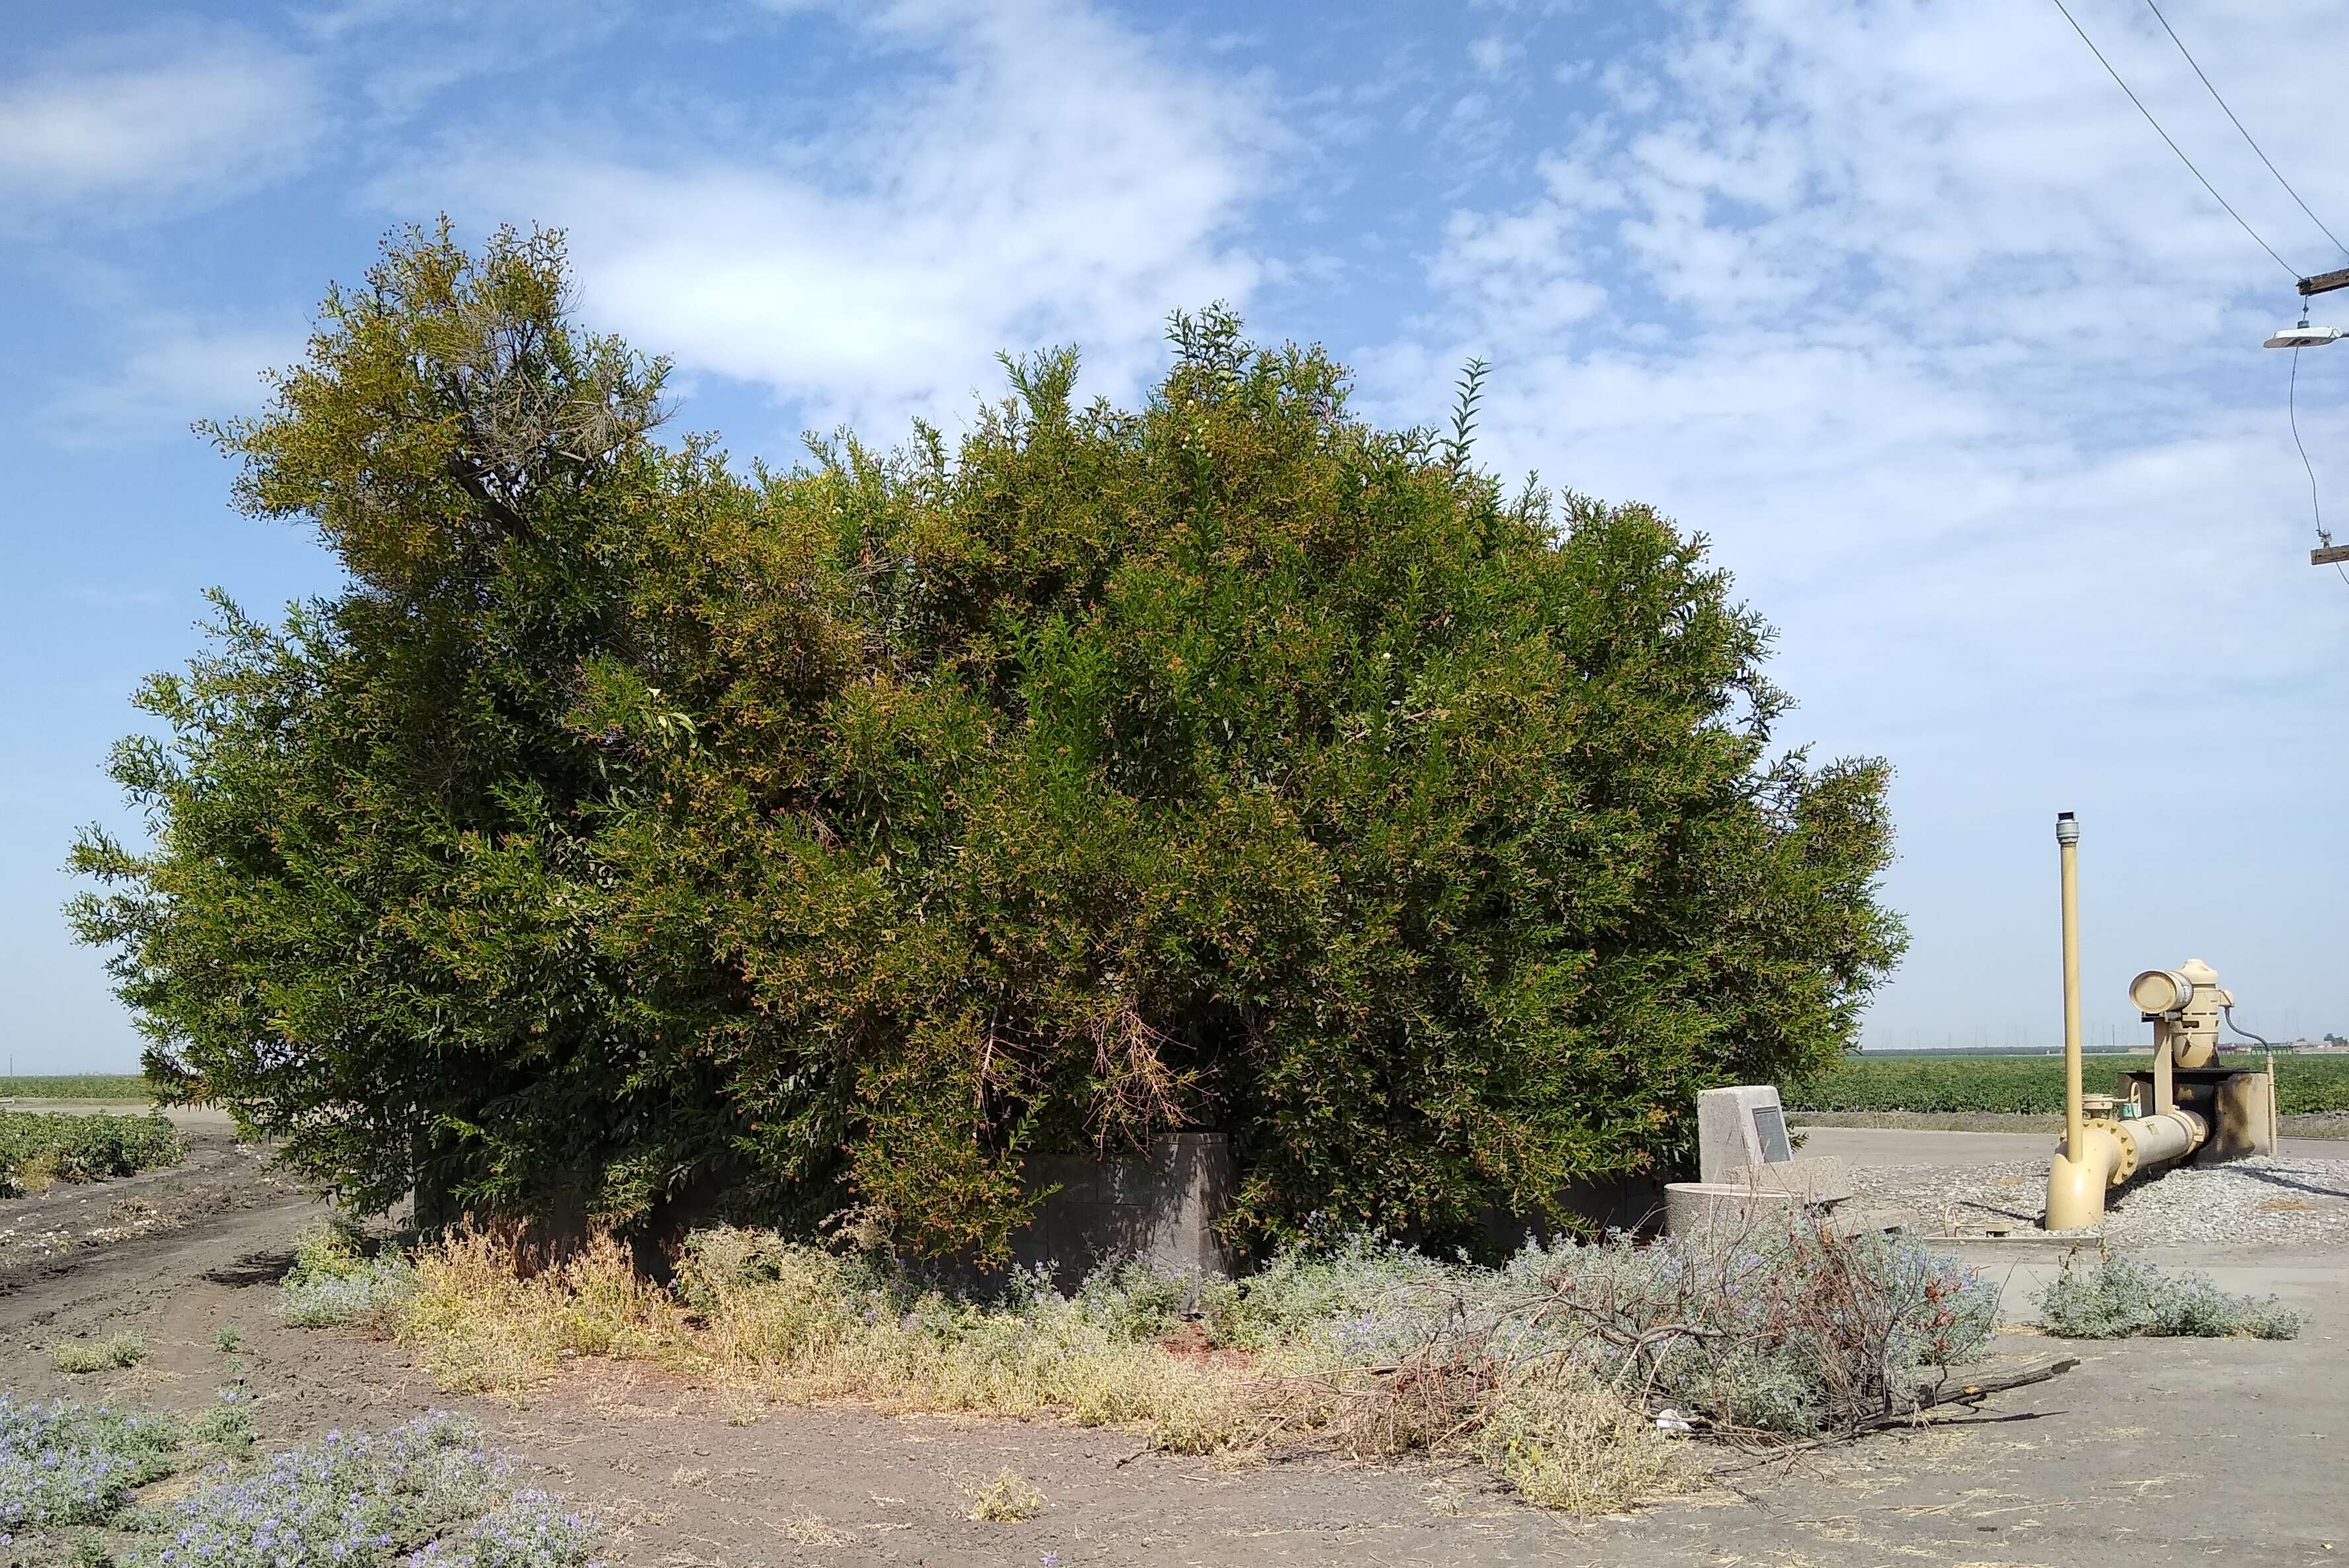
point(2083, 1167)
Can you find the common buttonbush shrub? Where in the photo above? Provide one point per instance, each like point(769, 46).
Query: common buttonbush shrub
point(854, 835)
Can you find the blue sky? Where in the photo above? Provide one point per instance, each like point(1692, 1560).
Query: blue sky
point(1900, 304)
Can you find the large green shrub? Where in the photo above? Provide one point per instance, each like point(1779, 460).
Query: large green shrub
point(634, 827)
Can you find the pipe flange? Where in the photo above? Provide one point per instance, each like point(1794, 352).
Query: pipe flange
point(2125, 1163)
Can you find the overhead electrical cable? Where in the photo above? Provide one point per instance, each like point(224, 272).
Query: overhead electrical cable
point(2292, 410)
point(2239, 126)
point(2165, 136)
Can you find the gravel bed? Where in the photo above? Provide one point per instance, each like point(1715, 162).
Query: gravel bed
point(2269, 1202)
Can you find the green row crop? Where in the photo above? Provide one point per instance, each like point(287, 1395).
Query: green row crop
point(1958, 1085)
point(77, 1086)
point(36, 1147)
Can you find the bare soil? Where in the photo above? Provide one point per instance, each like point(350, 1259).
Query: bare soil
point(2151, 1451)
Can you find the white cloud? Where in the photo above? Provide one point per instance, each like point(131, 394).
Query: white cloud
point(401, 57)
point(176, 371)
point(1040, 176)
point(1907, 307)
point(158, 122)
point(1493, 55)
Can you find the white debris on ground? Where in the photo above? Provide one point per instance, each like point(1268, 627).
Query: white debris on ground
point(2266, 1201)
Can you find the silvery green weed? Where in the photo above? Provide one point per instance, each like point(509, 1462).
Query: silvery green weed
point(334, 1280)
point(2114, 1297)
point(66, 1464)
point(427, 1492)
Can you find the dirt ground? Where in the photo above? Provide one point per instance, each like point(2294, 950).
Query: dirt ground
point(2150, 1452)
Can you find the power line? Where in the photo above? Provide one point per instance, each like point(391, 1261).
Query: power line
point(2165, 136)
point(2292, 410)
point(2239, 126)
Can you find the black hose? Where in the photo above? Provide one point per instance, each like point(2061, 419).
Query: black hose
point(2230, 1012)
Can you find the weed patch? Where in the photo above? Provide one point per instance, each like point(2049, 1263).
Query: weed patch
point(1004, 1498)
point(334, 1280)
point(67, 1464)
point(78, 1356)
point(2114, 1297)
point(425, 1491)
point(1566, 1442)
point(1551, 1370)
point(428, 1492)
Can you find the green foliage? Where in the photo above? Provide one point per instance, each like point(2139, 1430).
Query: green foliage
point(227, 1425)
point(2114, 1297)
point(77, 1086)
point(2032, 1085)
point(638, 827)
point(37, 1148)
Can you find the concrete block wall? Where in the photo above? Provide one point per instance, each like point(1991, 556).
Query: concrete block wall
point(1159, 1205)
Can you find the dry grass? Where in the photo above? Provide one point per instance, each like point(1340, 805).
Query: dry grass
point(1565, 1442)
point(754, 1316)
point(809, 1529)
point(1004, 1498)
point(117, 1350)
point(486, 1319)
point(38, 1172)
point(795, 1325)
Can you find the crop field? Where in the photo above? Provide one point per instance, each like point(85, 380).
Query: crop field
point(37, 1150)
point(77, 1086)
point(1958, 1085)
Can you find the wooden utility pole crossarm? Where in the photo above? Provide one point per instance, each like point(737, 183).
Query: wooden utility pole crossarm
point(2329, 555)
point(2324, 282)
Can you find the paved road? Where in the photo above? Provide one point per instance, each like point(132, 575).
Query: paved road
point(1909, 1146)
